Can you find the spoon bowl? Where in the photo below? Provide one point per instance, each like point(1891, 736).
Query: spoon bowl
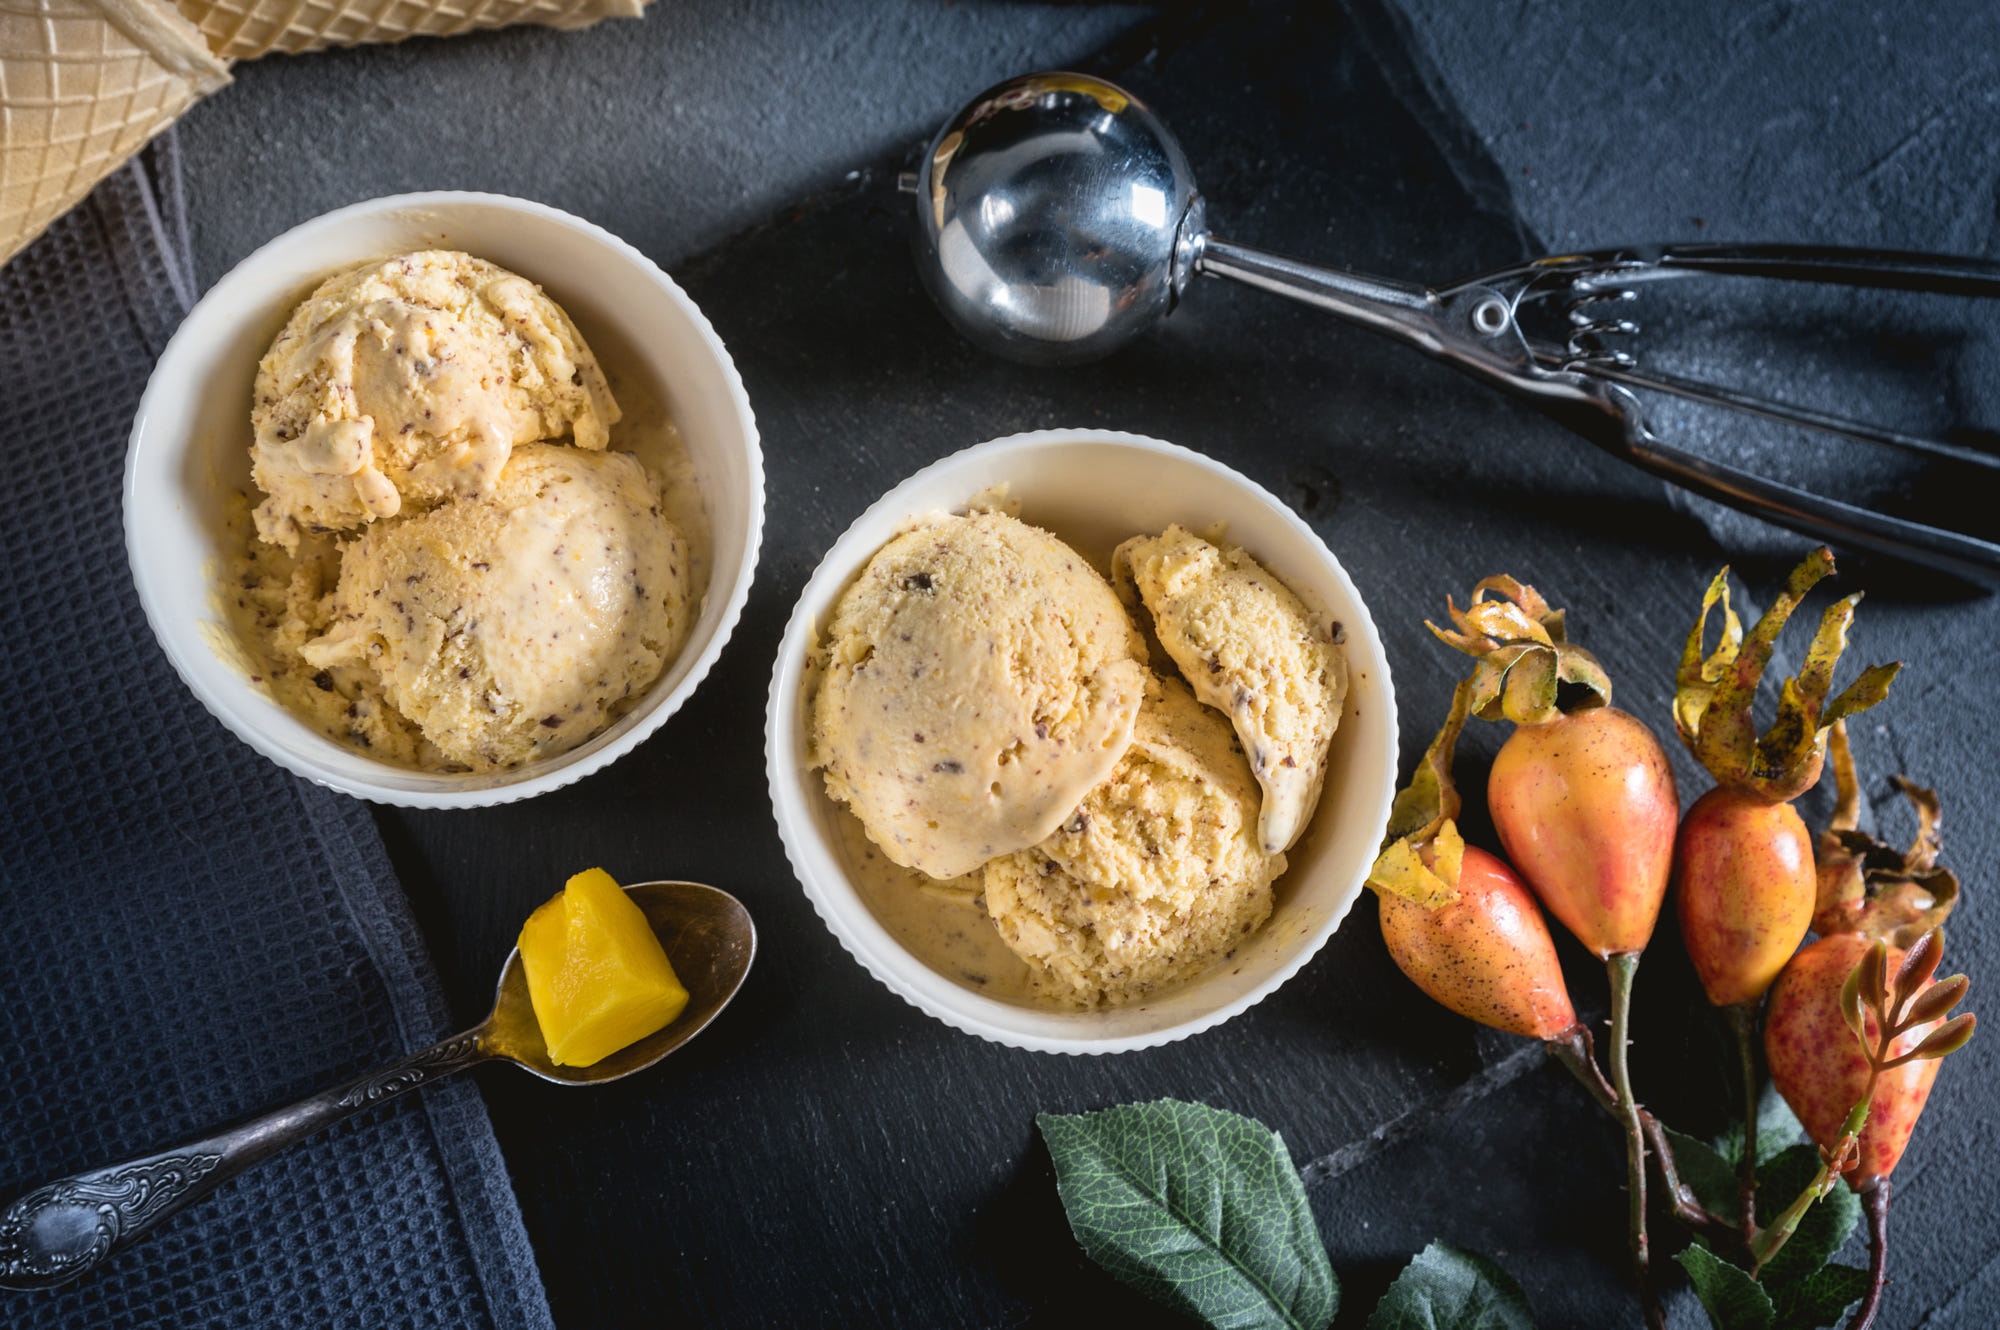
point(709, 940)
point(60, 1230)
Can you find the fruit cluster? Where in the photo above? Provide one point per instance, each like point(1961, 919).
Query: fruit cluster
point(1583, 800)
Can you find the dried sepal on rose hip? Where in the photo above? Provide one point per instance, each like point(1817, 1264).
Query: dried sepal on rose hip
point(1524, 654)
point(1421, 848)
point(1715, 691)
point(1867, 886)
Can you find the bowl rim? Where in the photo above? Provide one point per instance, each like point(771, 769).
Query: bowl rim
point(859, 933)
point(567, 768)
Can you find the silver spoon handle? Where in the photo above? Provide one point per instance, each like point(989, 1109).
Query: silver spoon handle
point(59, 1231)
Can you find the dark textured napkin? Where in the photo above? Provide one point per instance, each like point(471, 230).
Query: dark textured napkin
point(1838, 123)
point(187, 933)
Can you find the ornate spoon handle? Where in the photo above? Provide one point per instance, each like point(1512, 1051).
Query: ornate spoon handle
point(74, 1224)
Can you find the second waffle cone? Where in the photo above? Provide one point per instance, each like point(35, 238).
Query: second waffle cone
point(246, 29)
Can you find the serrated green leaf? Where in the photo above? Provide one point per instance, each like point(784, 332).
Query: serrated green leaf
point(1446, 1288)
point(1732, 1299)
point(1820, 1299)
point(1823, 1229)
point(1711, 1177)
point(1777, 1129)
point(1197, 1207)
point(1780, 1178)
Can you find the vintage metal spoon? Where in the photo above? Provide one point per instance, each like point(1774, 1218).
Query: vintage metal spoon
point(1058, 219)
point(61, 1230)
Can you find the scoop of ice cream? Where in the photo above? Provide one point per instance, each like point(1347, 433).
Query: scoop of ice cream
point(1155, 876)
point(975, 681)
point(1251, 650)
point(407, 381)
point(510, 626)
point(281, 603)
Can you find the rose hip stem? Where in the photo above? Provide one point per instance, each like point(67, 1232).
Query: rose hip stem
point(1575, 1049)
point(1743, 1024)
point(1875, 1203)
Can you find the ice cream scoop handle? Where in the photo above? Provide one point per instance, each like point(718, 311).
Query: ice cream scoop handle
point(70, 1226)
point(1401, 309)
point(1470, 326)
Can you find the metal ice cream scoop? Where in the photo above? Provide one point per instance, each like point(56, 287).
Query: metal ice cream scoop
point(1058, 219)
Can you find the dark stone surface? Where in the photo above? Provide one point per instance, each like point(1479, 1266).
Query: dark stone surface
point(674, 131)
point(828, 1155)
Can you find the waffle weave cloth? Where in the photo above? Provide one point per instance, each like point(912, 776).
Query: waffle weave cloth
point(187, 933)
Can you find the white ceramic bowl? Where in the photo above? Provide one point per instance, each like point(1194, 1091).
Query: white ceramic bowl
point(1094, 488)
point(190, 449)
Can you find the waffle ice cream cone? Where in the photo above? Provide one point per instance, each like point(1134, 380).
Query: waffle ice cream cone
point(246, 29)
point(83, 85)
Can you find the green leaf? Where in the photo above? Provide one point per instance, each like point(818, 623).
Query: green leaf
point(1732, 1299)
point(1197, 1207)
point(1711, 1177)
point(1777, 1128)
point(1445, 1288)
point(1821, 1299)
point(1823, 1229)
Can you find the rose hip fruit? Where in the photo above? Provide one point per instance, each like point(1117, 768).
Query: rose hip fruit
point(1581, 793)
point(1487, 955)
point(1818, 1065)
point(1745, 888)
point(1585, 807)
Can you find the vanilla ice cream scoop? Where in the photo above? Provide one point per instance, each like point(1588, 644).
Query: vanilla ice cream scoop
point(512, 625)
point(1253, 651)
point(1155, 876)
point(974, 683)
point(408, 381)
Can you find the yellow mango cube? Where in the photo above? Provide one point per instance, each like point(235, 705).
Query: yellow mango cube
point(597, 975)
